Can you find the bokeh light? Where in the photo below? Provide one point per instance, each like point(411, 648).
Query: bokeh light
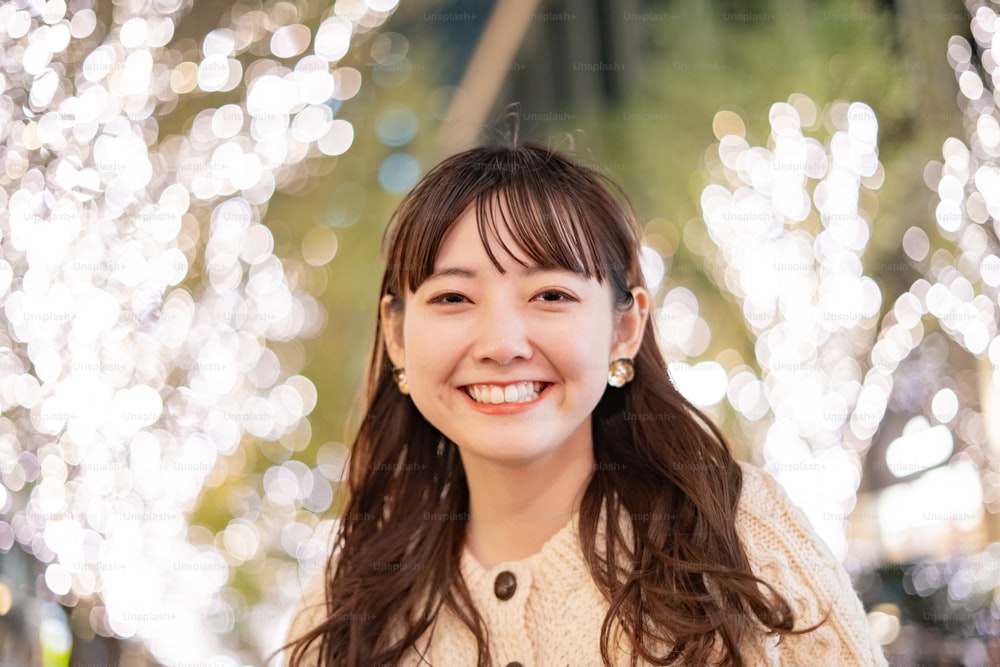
point(789, 229)
point(150, 328)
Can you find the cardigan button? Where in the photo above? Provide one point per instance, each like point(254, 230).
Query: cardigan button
point(505, 585)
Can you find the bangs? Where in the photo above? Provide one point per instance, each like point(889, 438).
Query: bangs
point(558, 214)
point(546, 226)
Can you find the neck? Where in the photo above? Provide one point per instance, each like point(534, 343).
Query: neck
point(515, 507)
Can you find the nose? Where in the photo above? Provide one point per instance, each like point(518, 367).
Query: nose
point(501, 334)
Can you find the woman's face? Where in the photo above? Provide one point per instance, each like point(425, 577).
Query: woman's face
point(478, 345)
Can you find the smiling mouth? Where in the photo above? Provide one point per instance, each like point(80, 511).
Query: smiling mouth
point(491, 394)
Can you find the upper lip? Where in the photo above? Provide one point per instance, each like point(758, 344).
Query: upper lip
point(503, 383)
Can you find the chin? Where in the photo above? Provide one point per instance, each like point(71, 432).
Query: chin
point(503, 455)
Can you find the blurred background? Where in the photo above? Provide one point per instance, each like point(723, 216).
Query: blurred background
point(192, 197)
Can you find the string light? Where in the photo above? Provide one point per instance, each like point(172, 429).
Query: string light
point(143, 303)
point(788, 228)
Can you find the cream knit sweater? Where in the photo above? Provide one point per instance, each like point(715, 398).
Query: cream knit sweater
point(553, 617)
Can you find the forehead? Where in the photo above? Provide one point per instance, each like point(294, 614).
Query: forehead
point(464, 243)
point(463, 254)
point(530, 222)
point(526, 228)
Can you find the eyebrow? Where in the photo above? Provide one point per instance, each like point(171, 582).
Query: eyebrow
point(467, 272)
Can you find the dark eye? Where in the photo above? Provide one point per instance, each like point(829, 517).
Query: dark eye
point(554, 296)
point(448, 297)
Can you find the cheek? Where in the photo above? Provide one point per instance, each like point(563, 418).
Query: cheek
point(582, 351)
point(432, 347)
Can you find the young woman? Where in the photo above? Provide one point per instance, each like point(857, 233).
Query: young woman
point(529, 489)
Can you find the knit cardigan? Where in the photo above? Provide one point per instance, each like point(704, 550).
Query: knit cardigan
point(553, 616)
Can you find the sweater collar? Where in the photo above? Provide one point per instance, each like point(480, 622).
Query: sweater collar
point(563, 544)
point(559, 564)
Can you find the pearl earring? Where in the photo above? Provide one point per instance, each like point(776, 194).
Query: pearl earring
point(620, 372)
point(399, 375)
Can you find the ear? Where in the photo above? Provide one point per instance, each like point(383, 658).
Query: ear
point(392, 330)
point(630, 326)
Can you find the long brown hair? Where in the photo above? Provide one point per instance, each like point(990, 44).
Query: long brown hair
point(684, 582)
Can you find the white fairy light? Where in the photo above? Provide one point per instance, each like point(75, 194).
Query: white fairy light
point(790, 230)
point(124, 382)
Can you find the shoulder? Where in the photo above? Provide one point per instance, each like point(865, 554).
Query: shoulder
point(758, 482)
point(785, 551)
point(772, 521)
point(779, 539)
point(781, 544)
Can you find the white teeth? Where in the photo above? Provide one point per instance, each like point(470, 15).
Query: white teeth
point(520, 392)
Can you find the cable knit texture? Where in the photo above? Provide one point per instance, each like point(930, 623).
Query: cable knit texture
point(554, 617)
